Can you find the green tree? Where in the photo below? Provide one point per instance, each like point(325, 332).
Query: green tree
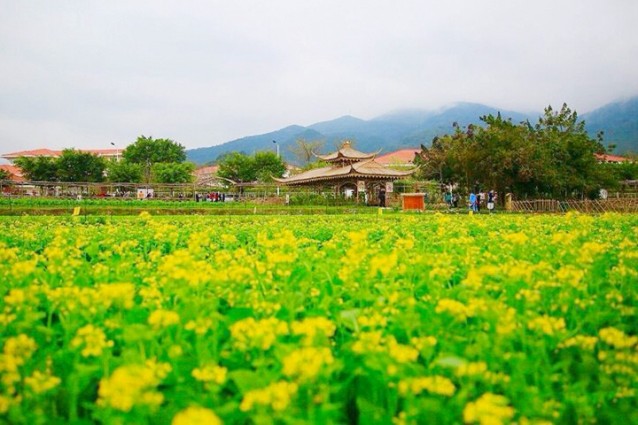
point(553, 158)
point(568, 152)
point(124, 172)
point(262, 166)
point(238, 167)
point(173, 172)
point(77, 166)
point(268, 165)
point(4, 174)
point(39, 168)
point(147, 151)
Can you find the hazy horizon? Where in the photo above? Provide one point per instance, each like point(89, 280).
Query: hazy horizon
point(86, 74)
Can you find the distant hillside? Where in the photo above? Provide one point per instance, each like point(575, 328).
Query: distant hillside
point(619, 122)
point(409, 128)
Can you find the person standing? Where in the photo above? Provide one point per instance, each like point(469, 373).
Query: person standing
point(382, 198)
point(472, 202)
point(448, 199)
point(490, 201)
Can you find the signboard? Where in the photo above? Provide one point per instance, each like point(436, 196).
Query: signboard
point(361, 186)
point(389, 187)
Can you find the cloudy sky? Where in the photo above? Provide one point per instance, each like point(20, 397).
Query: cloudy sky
point(85, 74)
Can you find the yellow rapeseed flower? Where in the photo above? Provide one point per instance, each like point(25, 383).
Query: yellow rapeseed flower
point(196, 415)
point(433, 384)
point(277, 396)
point(132, 385)
point(489, 409)
point(250, 333)
point(159, 319)
point(92, 340)
point(40, 382)
point(307, 362)
point(547, 324)
point(20, 348)
point(617, 338)
point(211, 373)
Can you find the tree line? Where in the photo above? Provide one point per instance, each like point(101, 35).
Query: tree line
point(147, 160)
point(553, 158)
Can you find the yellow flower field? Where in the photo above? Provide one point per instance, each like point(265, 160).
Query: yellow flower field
point(333, 319)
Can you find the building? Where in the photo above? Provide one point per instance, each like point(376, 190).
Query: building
point(113, 153)
point(351, 173)
point(400, 158)
point(15, 173)
point(611, 159)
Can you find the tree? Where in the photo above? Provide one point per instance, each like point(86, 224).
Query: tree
point(262, 166)
point(303, 150)
point(238, 167)
point(124, 172)
point(5, 175)
point(38, 169)
point(173, 172)
point(268, 165)
point(553, 158)
point(147, 151)
point(76, 166)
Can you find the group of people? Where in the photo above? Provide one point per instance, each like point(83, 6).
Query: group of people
point(211, 197)
point(475, 200)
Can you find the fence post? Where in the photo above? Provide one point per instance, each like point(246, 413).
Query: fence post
point(508, 202)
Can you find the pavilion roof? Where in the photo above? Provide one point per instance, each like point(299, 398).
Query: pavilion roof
point(346, 153)
point(368, 169)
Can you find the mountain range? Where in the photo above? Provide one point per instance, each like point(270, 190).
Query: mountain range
point(411, 128)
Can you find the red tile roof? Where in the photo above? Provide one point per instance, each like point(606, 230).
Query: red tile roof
point(16, 172)
point(52, 152)
point(400, 157)
point(611, 158)
point(210, 169)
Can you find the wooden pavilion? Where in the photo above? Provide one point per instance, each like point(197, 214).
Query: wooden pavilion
point(351, 172)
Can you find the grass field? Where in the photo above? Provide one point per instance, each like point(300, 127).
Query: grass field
point(442, 319)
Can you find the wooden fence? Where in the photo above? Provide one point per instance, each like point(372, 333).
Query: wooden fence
point(620, 205)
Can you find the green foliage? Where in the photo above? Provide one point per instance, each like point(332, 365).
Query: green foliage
point(77, 166)
point(553, 158)
point(262, 166)
point(39, 169)
point(268, 165)
point(173, 172)
point(238, 167)
point(5, 175)
point(124, 172)
point(147, 151)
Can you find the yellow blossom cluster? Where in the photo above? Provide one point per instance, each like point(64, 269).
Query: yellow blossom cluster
point(488, 409)
point(276, 396)
point(262, 334)
point(92, 340)
point(433, 384)
point(133, 385)
point(305, 363)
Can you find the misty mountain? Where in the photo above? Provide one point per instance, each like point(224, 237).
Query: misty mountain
point(413, 127)
point(619, 123)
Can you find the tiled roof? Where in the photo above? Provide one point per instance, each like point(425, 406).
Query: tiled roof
point(346, 153)
point(611, 158)
point(210, 169)
point(361, 169)
point(399, 157)
point(54, 153)
point(16, 172)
